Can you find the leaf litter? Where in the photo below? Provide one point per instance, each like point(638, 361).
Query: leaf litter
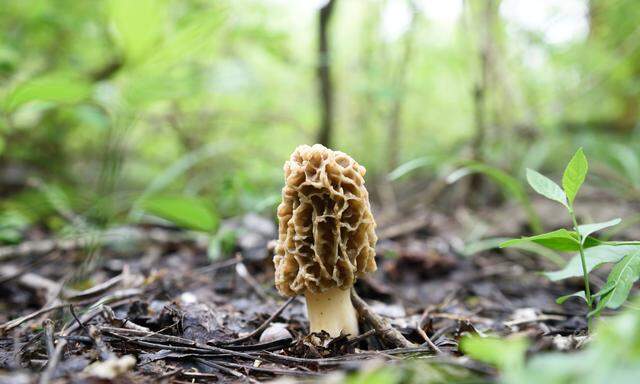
point(155, 307)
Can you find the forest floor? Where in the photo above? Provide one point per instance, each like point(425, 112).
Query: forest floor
point(146, 302)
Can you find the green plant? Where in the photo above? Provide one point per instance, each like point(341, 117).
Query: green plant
point(592, 252)
point(510, 186)
point(613, 356)
point(185, 212)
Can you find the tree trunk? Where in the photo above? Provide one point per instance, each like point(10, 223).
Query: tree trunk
point(325, 85)
point(395, 118)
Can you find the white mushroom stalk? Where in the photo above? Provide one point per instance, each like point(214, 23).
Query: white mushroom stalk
point(326, 236)
point(332, 312)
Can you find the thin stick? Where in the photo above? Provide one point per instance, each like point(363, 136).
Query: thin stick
point(48, 337)
point(110, 316)
point(427, 339)
point(73, 313)
point(196, 348)
point(105, 352)
point(54, 359)
point(273, 371)
point(262, 326)
point(221, 368)
point(97, 289)
point(384, 330)
point(242, 271)
point(9, 325)
point(360, 337)
point(110, 237)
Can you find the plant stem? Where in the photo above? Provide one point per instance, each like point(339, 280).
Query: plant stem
point(621, 242)
point(585, 273)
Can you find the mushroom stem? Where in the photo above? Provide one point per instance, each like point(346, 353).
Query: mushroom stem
point(332, 311)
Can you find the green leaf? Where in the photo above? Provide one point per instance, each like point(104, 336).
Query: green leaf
point(628, 161)
point(619, 283)
point(509, 185)
point(138, 26)
point(482, 245)
point(559, 240)
point(587, 229)
point(177, 169)
point(506, 354)
point(186, 212)
point(471, 248)
point(221, 243)
point(409, 166)
point(546, 187)
point(580, 294)
point(595, 257)
point(574, 175)
point(58, 88)
point(603, 291)
point(384, 375)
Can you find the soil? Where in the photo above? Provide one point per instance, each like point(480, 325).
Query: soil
point(75, 310)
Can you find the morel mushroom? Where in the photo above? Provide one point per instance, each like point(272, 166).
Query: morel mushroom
point(326, 236)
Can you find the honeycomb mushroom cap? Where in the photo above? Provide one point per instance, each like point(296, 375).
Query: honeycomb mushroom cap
point(326, 229)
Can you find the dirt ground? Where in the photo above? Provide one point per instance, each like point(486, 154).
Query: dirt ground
point(141, 303)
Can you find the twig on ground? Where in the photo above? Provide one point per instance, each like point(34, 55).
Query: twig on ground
point(404, 227)
point(273, 371)
point(427, 339)
point(112, 236)
point(9, 325)
point(75, 317)
point(53, 361)
point(110, 316)
point(537, 319)
point(105, 352)
point(98, 289)
point(361, 336)
point(48, 337)
point(29, 280)
point(216, 266)
point(384, 330)
point(242, 271)
point(162, 342)
point(262, 326)
point(116, 299)
point(344, 359)
point(224, 369)
point(453, 316)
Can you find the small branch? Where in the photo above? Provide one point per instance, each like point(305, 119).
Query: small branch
point(75, 317)
point(361, 337)
point(112, 236)
point(105, 352)
point(54, 359)
point(427, 339)
point(110, 316)
point(98, 289)
point(9, 325)
point(264, 325)
point(48, 337)
point(384, 330)
point(242, 271)
point(29, 280)
point(221, 368)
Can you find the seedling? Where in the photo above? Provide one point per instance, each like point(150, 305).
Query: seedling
point(591, 251)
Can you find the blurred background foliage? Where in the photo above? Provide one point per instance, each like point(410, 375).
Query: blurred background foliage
point(113, 108)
